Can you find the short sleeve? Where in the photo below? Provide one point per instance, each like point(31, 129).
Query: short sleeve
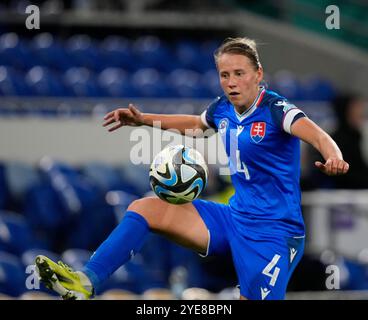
point(284, 114)
point(207, 116)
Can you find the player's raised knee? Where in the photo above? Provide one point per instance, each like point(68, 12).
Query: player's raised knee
point(154, 210)
point(150, 208)
point(140, 205)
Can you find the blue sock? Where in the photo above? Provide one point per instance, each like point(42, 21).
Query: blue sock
point(124, 242)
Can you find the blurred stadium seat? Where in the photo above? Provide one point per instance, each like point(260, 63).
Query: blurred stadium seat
point(104, 175)
point(135, 177)
point(43, 82)
point(317, 88)
point(15, 52)
point(4, 191)
point(152, 52)
point(20, 177)
point(82, 82)
point(197, 294)
point(76, 258)
point(116, 83)
point(12, 275)
point(50, 52)
point(116, 52)
point(149, 82)
point(84, 52)
point(210, 80)
point(187, 84)
point(157, 294)
point(12, 83)
point(286, 83)
point(84, 67)
point(118, 294)
point(15, 234)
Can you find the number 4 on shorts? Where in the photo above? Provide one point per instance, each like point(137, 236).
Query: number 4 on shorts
point(268, 270)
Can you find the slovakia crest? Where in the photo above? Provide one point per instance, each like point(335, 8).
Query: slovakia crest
point(258, 131)
point(223, 126)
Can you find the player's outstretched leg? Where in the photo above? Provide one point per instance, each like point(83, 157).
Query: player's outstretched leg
point(181, 224)
point(69, 284)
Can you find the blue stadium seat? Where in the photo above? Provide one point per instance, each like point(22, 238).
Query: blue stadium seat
point(151, 52)
point(132, 276)
point(68, 209)
point(15, 52)
point(104, 175)
point(4, 191)
point(195, 55)
point(82, 83)
point(187, 53)
point(43, 208)
point(286, 84)
point(209, 47)
point(157, 259)
point(12, 83)
point(207, 50)
point(76, 258)
point(44, 82)
point(84, 52)
point(82, 204)
point(116, 52)
point(316, 88)
point(12, 275)
point(116, 83)
point(357, 275)
point(187, 84)
point(50, 52)
point(136, 176)
point(211, 81)
point(15, 234)
point(150, 83)
point(19, 178)
point(120, 200)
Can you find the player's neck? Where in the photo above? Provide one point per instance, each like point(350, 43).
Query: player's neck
point(249, 103)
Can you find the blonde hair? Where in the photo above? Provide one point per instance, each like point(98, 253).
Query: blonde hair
point(243, 46)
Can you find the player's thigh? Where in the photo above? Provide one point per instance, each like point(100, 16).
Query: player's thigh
point(180, 223)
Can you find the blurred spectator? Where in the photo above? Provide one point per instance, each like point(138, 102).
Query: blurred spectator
point(349, 137)
point(350, 118)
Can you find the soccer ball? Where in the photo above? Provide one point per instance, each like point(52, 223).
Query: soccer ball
point(178, 174)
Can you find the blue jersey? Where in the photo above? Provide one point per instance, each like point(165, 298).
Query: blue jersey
point(264, 160)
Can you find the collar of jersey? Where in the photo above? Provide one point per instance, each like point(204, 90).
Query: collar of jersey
point(252, 108)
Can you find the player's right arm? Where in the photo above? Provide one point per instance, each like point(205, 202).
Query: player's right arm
point(131, 116)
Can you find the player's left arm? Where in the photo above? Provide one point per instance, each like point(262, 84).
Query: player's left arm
point(309, 132)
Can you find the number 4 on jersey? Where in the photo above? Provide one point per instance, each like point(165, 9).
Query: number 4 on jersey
point(241, 166)
point(267, 270)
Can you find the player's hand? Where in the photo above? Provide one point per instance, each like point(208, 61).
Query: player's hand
point(333, 166)
point(130, 116)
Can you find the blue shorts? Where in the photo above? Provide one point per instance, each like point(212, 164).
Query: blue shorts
point(263, 262)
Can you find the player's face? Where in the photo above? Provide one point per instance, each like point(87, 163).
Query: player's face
point(239, 79)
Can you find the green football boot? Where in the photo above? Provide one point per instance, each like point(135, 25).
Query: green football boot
point(69, 284)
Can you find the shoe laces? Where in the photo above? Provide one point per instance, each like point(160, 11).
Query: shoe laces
point(64, 265)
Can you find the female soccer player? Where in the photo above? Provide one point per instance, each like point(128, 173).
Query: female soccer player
point(262, 225)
